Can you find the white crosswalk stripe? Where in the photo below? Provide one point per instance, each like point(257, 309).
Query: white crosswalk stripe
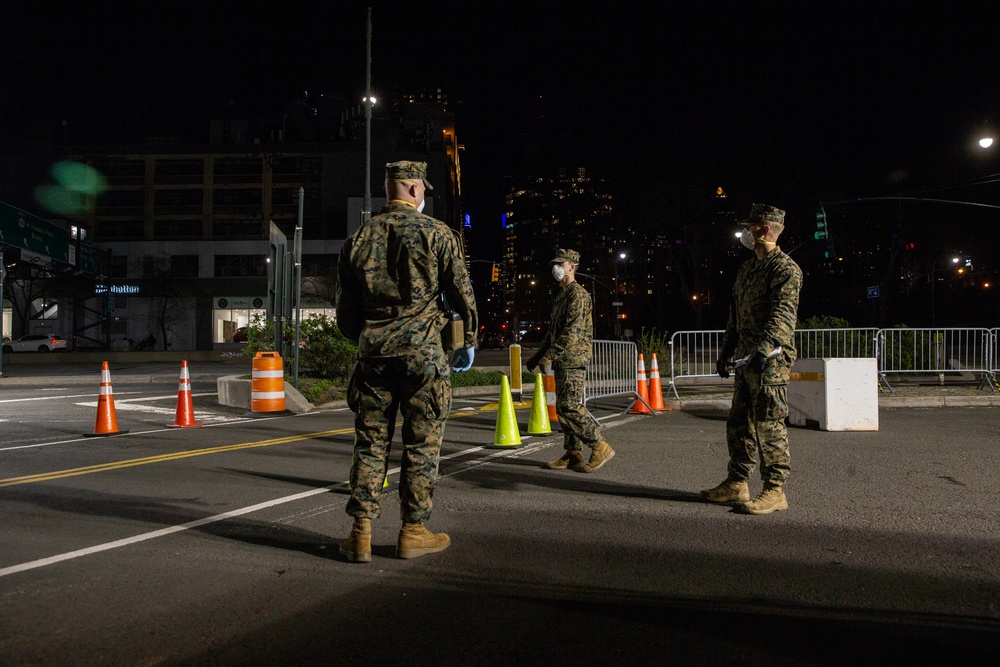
point(140, 405)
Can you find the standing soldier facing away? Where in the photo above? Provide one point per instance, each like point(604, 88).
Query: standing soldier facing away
point(567, 346)
point(393, 273)
point(762, 316)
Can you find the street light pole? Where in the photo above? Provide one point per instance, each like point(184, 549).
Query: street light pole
point(3, 274)
point(366, 209)
point(297, 249)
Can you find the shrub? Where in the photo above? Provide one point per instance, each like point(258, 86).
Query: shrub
point(653, 342)
point(474, 378)
point(823, 322)
point(327, 353)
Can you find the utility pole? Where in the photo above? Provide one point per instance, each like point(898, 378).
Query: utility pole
point(297, 249)
point(3, 274)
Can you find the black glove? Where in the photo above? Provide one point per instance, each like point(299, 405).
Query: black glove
point(722, 368)
point(757, 362)
point(533, 361)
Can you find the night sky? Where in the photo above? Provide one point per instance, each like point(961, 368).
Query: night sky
point(777, 102)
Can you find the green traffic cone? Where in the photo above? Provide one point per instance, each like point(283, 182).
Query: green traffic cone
point(506, 434)
point(539, 423)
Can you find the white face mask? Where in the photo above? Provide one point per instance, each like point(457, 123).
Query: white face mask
point(746, 238)
point(558, 272)
point(420, 209)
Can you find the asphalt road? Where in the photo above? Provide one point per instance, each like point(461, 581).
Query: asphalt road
point(217, 545)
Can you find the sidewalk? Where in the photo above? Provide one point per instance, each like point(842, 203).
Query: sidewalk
point(693, 397)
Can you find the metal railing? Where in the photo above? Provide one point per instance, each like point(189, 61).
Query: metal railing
point(916, 351)
point(836, 343)
point(994, 358)
point(693, 355)
point(613, 371)
point(937, 351)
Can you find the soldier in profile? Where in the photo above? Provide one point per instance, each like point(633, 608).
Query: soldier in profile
point(761, 326)
point(567, 346)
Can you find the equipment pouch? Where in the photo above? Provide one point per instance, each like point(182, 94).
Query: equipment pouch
point(453, 334)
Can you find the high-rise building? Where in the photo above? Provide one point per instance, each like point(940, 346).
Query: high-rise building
point(182, 231)
point(569, 210)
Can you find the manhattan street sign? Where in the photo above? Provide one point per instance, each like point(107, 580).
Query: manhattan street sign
point(29, 232)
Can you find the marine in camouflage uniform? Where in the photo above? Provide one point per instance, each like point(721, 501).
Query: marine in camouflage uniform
point(762, 317)
point(568, 346)
point(393, 271)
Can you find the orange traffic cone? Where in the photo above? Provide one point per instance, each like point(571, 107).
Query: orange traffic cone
point(655, 390)
point(549, 383)
point(107, 418)
point(639, 407)
point(184, 417)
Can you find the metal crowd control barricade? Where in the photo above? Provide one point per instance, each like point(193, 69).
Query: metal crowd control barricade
point(836, 343)
point(693, 354)
point(994, 358)
point(613, 371)
point(936, 352)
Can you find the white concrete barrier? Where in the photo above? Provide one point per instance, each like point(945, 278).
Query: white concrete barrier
point(834, 394)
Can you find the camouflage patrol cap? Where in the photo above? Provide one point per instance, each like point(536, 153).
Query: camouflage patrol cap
point(407, 170)
point(768, 215)
point(566, 255)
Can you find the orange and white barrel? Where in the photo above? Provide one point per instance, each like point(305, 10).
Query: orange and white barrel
point(267, 386)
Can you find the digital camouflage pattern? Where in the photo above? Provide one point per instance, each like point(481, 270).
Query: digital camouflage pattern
point(569, 340)
point(762, 316)
point(578, 426)
point(769, 215)
point(423, 391)
point(407, 170)
point(392, 272)
point(565, 255)
point(569, 344)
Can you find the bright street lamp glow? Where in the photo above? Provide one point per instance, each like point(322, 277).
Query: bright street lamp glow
point(986, 142)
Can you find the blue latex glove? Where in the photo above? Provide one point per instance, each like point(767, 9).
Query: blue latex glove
point(462, 361)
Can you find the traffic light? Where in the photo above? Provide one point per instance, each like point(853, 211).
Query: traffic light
point(822, 232)
point(496, 274)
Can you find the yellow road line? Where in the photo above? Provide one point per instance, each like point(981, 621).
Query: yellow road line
point(117, 465)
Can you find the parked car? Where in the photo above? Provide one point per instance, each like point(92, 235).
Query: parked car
point(240, 336)
point(491, 341)
point(37, 343)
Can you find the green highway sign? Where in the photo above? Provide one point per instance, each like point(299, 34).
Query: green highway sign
point(29, 232)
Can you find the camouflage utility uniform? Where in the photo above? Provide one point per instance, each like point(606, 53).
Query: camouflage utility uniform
point(392, 272)
point(762, 316)
point(568, 344)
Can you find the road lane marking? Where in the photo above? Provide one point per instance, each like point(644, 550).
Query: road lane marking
point(56, 398)
point(169, 530)
point(107, 546)
point(173, 456)
point(117, 465)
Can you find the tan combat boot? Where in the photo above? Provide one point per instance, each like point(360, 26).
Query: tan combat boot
point(771, 499)
point(729, 491)
point(357, 547)
point(601, 454)
point(415, 540)
point(572, 458)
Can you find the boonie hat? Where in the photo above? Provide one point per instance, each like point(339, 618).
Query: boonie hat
point(407, 170)
point(566, 255)
point(768, 215)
